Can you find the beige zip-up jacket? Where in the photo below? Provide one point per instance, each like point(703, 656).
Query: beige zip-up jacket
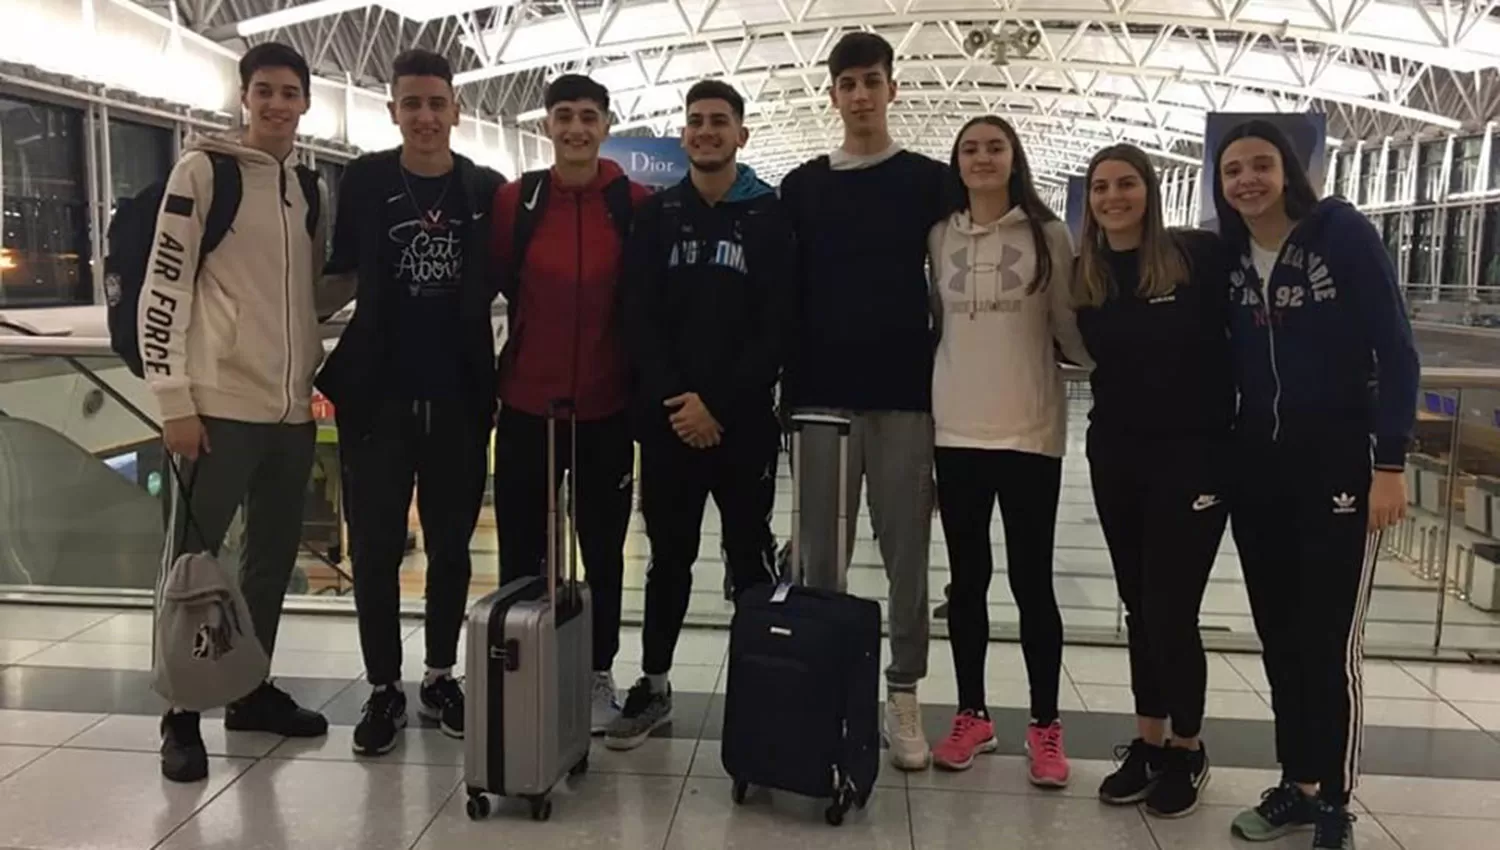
point(996, 382)
point(239, 340)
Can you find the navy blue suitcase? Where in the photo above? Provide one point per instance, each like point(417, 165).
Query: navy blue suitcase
point(802, 703)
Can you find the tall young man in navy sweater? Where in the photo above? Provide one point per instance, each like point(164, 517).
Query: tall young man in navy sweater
point(863, 350)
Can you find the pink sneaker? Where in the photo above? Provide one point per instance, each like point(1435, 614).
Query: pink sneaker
point(971, 736)
point(1044, 748)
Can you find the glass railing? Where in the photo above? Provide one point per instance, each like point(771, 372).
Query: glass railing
point(81, 516)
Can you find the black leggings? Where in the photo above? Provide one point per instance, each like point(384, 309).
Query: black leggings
point(1027, 485)
point(1163, 506)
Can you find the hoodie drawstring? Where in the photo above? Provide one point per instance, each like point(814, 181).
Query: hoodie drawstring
point(424, 410)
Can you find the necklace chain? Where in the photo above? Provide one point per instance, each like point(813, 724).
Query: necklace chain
point(429, 216)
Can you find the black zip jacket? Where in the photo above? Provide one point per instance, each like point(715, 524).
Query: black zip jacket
point(710, 292)
point(1163, 365)
point(355, 374)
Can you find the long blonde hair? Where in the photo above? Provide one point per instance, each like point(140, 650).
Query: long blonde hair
point(1162, 265)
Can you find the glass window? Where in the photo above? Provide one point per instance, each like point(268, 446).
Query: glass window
point(1341, 171)
point(1494, 185)
point(44, 240)
point(139, 155)
point(1465, 177)
point(1430, 171)
point(1420, 272)
point(1395, 174)
point(1390, 231)
point(1369, 177)
point(1455, 282)
point(332, 173)
point(1489, 256)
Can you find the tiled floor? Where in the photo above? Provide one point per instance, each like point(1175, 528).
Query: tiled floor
point(78, 766)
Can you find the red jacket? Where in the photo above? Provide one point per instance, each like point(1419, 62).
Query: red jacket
point(565, 335)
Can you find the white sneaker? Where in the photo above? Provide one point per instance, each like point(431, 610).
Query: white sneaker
point(606, 704)
point(903, 732)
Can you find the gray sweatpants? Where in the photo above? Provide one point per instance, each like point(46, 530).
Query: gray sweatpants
point(263, 468)
point(892, 450)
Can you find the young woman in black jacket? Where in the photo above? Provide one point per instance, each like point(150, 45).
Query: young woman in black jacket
point(1153, 310)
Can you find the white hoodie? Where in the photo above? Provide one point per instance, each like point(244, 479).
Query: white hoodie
point(240, 340)
point(996, 382)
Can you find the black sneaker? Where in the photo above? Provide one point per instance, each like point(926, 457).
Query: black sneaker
point(385, 717)
point(1282, 810)
point(183, 757)
point(270, 709)
point(1183, 777)
point(645, 711)
point(1139, 771)
point(1333, 828)
point(443, 701)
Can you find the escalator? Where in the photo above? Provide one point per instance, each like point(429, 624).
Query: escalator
point(68, 520)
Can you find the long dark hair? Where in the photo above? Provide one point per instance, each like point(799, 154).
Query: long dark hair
point(1162, 267)
point(1298, 192)
point(1021, 189)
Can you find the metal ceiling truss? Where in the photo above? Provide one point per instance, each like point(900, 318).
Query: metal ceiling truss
point(1145, 71)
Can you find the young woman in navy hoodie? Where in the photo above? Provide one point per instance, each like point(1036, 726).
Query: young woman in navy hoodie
point(1328, 377)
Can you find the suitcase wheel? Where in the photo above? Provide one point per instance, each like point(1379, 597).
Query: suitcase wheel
point(580, 768)
point(541, 808)
point(478, 807)
point(834, 814)
point(741, 787)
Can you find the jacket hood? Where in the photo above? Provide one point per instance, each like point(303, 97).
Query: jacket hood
point(1327, 213)
point(964, 223)
point(747, 186)
point(608, 171)
point(233, 144)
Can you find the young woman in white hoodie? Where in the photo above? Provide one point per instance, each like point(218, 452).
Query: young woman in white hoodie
point(1001, 264)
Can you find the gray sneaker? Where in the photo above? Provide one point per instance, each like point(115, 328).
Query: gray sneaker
point(645, 711)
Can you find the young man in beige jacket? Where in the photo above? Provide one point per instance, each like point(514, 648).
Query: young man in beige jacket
point(229, 345)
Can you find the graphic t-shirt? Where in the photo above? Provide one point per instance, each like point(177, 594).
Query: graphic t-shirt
point(424, 258)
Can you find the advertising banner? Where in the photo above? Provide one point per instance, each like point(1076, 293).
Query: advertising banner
point(1307, 131)
point(1077, 197)
point(651, 161)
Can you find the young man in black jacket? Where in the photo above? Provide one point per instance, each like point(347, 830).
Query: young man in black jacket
point(709, 292)
point(412, 384)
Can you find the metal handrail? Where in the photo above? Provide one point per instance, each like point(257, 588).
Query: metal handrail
point(1433, 377)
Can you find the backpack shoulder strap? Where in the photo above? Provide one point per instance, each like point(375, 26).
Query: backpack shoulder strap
point(312, 192)
point(530, 202)
point(224, 204)
point(621, 205)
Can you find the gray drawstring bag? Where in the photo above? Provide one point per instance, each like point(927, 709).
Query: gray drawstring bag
point(206, 654)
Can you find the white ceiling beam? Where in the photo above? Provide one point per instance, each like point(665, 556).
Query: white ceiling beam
point(1464, 57)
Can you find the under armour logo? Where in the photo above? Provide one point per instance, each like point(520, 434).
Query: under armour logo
point(1009, 279)
point(1343, 503)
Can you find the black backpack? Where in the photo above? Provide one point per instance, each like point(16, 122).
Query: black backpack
point(132, 231)
point(535, 187)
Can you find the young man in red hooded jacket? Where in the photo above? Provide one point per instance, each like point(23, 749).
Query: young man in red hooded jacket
point(566, 344)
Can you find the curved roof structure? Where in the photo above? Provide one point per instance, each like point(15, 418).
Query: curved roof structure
point(1073, 75)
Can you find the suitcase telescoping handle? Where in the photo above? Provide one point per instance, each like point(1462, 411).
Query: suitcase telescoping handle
point(557, 410)
point(800, 422)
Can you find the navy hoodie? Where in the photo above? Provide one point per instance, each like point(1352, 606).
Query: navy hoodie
point(709, 296)
point(1333, 355)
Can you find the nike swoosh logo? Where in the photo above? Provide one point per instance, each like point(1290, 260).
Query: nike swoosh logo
point(535, 193)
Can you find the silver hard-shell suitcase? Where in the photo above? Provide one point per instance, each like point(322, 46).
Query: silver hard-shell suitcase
point(530, 669)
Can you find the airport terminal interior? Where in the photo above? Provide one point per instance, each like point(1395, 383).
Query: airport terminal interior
point(98, 97)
